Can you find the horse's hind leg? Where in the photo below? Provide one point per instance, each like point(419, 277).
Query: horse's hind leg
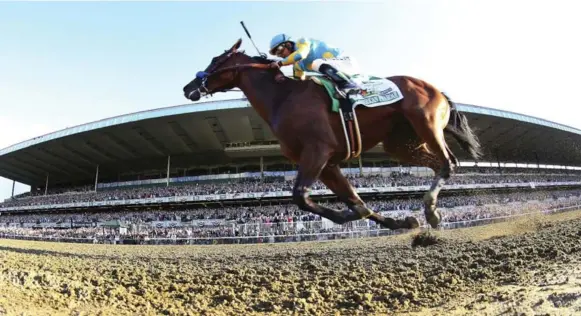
point(417, 154)
point(331, 176)
point(428, 128)
point(404, 144)
point(312, 161)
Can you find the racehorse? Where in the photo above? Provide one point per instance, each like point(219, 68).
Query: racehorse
point(298, 113)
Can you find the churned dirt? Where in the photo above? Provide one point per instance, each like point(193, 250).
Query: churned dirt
point(530, 266)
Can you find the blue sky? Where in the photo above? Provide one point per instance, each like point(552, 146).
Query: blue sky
point(63, 64)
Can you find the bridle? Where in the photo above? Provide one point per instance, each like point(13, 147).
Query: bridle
point(204, 76)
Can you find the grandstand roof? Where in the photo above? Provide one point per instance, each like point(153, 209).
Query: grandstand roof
point(207, 134)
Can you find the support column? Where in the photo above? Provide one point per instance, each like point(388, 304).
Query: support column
point(168, 164)
point(360, 166)
point(46, 185)
point(96, 178)
point(13, 184)
point(537, 158)
point(498, 161)
point(261, 167)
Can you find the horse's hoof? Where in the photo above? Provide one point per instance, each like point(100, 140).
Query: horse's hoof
point(433, 218)
point(409, 222)
point(412, 222)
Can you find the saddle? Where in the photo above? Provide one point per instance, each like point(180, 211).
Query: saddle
point(342, 104)
point(376, 91)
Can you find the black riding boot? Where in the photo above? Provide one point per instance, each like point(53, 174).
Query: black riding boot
point(342, 80)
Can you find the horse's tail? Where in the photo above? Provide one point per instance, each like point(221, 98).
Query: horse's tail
point(458, 127)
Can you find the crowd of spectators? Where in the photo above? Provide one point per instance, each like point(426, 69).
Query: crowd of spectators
point(272, 220)
point(273, 184)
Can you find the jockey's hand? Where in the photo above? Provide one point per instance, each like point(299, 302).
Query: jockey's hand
point(275, 64)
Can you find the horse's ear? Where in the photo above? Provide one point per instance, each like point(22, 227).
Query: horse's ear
point(236, 45)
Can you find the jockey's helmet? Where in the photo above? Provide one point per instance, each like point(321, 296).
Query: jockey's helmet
point(277, 40)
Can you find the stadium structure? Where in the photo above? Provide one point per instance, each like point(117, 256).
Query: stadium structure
point(228, 137)
point(115, 161)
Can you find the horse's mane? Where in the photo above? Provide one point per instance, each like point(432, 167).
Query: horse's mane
point(290, 84)
point(262, 59)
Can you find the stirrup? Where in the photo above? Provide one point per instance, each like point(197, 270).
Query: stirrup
point(340, 93)
point(349, 91)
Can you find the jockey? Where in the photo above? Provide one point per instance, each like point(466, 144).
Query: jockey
point(307, 54)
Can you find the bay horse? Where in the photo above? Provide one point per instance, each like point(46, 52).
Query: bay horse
point(311, 135)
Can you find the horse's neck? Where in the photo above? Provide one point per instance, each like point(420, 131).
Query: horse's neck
point(262, 92)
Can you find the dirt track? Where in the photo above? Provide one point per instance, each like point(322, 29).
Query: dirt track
point(527, 267)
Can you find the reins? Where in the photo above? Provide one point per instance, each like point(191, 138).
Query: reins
point(236, 68)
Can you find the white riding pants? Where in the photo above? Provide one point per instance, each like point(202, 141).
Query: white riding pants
point(343, 63)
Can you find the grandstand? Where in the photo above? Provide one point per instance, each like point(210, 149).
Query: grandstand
point(214, 169)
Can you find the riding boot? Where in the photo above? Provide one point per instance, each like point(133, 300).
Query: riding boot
point(343, 81)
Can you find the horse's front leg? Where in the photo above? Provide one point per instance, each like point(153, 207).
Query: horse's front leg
point(312, 161)
point(331, 176)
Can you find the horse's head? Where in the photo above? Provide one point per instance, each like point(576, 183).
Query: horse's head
point(220, 75)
